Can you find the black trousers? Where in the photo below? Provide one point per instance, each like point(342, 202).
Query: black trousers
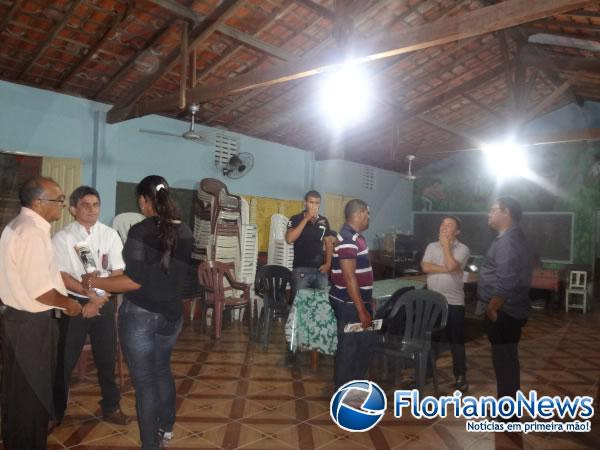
point(29, 357)
point(504, 335)
point(455, 332)
point(73, 333)
point(354, 350)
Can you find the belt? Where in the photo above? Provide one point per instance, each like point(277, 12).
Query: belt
point(10, 311)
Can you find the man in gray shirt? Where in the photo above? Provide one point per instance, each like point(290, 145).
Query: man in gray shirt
point(443, 263)
point(503, 292)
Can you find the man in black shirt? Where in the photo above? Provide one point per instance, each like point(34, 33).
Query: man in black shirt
point(309, 231)
point(503, 291)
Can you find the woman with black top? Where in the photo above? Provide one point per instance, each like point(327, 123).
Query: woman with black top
point(157, 253)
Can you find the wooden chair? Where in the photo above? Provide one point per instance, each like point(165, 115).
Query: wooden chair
point(212, 275)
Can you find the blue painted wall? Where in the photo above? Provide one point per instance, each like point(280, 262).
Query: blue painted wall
point(43, 123)
point(389, 202)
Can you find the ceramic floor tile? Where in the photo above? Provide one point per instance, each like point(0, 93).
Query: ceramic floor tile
point(231, 394)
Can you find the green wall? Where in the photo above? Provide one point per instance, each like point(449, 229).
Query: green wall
point(568, 179)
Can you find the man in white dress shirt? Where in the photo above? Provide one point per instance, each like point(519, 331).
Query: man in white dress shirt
point(98, 318)
point(31, 288)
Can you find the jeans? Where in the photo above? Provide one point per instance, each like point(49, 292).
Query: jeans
point(455, 331)
point(504, 335)
point(73, 332)
point(147, 340)
point(309, 277)
point(354, 350)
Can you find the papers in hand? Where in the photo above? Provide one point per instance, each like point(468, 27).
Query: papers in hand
point(357, 327)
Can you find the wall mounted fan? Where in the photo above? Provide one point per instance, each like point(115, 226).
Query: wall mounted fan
point(239, 165)
point(190, 135)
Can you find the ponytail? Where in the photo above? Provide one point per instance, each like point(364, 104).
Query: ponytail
point(156, 189)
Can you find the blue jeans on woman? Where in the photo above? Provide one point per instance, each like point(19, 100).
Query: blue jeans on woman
point(147, 340)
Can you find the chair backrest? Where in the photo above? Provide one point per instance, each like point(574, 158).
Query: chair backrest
point(219, 191)
point(424, 310)
point(395, 324)
point(577, 279)
point(124, 221)
point(211, 275)
point(272, 282)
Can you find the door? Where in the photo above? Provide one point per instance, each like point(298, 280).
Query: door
point(67, 173)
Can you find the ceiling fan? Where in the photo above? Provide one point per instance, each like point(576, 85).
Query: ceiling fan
point(191, 134)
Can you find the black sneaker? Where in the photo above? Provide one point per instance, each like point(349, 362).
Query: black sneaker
point(461, 383)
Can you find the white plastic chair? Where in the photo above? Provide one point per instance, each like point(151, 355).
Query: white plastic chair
point(280, 252)
point(124, 221)
point(577, 286)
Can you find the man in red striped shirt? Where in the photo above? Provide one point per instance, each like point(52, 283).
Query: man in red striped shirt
point(350, 295)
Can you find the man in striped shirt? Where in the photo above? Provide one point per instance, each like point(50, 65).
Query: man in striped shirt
point(350, 295)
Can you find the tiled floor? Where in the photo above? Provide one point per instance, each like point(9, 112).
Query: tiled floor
point(233, 395)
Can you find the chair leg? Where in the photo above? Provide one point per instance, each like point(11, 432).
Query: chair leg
point(218, 311)
point(203, 324)
point(267, 327)
point(434, 372)
point(248, 312)
point(193, 302)
point(421, 368)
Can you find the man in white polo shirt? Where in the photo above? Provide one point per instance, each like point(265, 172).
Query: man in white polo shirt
point(98, 318)
point(443, 263)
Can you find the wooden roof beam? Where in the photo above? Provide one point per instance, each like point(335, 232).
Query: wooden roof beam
point(309, 54)
point(57, 29)
point(484, 20)
point(112, 26)
point(11, 13)
point(198, 35)
point(320, 10)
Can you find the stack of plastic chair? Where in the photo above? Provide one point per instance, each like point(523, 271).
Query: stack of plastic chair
point(203, 206)
point(246, 271)
point(280, 252)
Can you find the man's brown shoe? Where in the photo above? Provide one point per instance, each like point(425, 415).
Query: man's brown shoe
point(117, 417)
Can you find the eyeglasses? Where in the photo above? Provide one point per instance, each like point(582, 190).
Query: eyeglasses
point(55, 200)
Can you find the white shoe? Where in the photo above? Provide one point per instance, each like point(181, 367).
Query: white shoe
point(166, 435)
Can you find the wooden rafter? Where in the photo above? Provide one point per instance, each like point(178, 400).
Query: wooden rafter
point(253, 42)
point(112, 26)
point(484, 20)
point(223, 12)
point(562, 137)
point(158, 36)
point(244, 38)
point(449, 129)
point(55, 30)
point(322, 11)
point(401, 115)
point(309, 54)
point(549, 100)
point(557, 63)
point(483, 106)
point(11, 13)
point(279, 125)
